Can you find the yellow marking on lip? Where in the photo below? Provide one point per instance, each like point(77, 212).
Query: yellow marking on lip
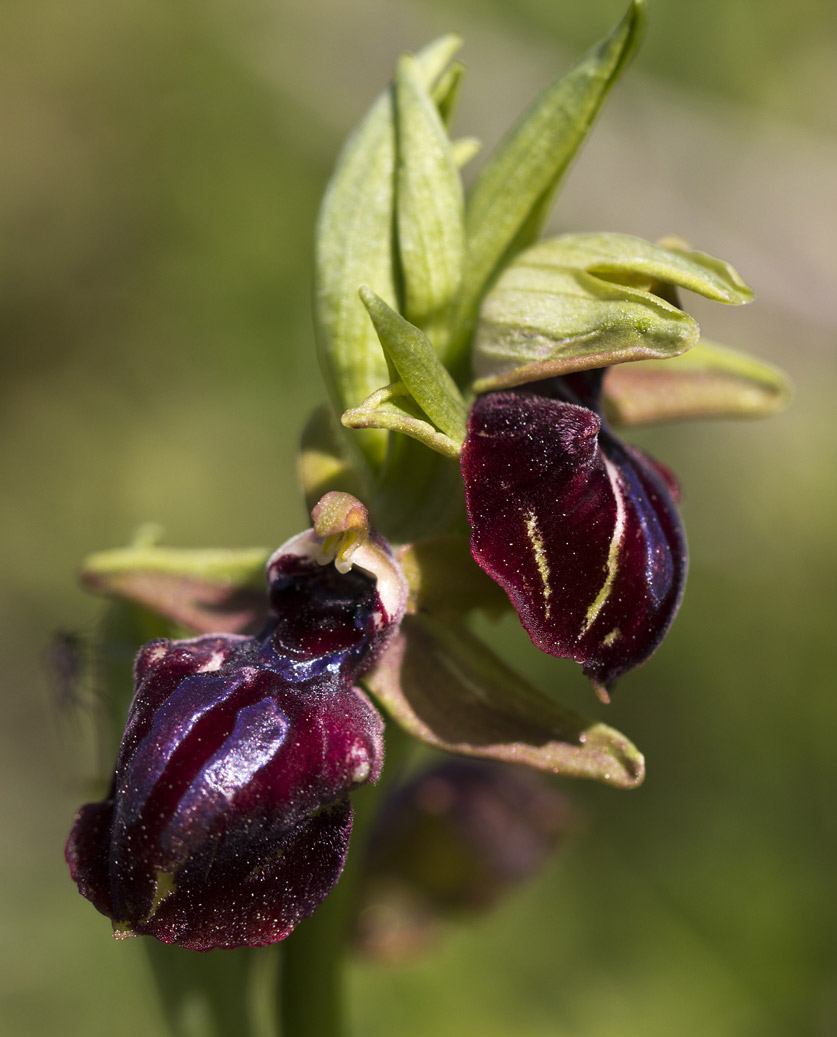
point(536, 541)
point(165, 885)
point(613, 551)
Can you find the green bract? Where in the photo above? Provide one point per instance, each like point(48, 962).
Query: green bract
point(510, 201)
point(429, 210)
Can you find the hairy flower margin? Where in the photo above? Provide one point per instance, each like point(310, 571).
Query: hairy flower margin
point(477, 374)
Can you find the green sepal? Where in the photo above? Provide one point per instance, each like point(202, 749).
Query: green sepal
point(637, 263)
point(446, 90)
point(327, 460)
point(511, 198)
point(206, 591)
point(424, 375)
point(710, 381)
point(445, 687)
point(538, 323)
point(429, 209)
point(394, 409)
point(355, 247)
point(581, 301)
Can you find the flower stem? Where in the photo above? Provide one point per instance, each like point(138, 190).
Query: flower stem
point(204, 995)
point(312, 1001)
point(311, 981)
point(419, 492)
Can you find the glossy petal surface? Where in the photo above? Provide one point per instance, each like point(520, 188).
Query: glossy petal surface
point(580, 530)
point(228, 818)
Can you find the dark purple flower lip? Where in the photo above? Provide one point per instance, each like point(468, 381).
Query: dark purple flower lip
point(228, 818)
point(580, 530)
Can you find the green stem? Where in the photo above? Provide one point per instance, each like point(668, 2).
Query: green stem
point(419, 492)
point(204, 995)
point(311, 982)
point(312, 1000)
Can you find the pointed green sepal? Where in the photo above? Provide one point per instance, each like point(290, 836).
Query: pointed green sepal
point(446, 90)
point(541, 322)
point(637, 263)
point(419, 367)
point(709, 381)
point(445, 687)
point(208, 591)
point(393, 408)
point(429, 201)
point(581, 301)
point(429, 206)
point(355, 247)
point(511, 198)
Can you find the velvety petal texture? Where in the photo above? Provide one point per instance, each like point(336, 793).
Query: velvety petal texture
point(228, 818)
point(580, 529)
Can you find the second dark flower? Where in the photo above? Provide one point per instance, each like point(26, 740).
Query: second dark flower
point(580, 529)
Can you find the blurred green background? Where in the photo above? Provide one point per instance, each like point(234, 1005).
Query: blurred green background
point(163, 165)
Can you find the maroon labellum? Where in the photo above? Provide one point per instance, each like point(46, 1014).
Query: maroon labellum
point(580, 529)
point(228, 817)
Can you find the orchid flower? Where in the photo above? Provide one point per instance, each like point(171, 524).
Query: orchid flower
point(580, 530)
point(476, 374)
point(228, 817)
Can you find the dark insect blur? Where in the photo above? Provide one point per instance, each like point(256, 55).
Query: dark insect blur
point(66, 664)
